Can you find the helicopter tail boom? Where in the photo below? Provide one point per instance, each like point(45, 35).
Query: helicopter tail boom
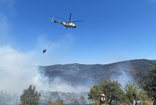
point(52, 20)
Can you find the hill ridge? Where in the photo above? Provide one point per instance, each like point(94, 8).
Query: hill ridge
point(90, 74)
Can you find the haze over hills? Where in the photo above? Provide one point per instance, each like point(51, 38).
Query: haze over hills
point(89, 75)
point(75, 80)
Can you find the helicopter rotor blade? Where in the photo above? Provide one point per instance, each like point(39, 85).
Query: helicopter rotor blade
point(78, 21)
point(70, 17)
point(61, 18)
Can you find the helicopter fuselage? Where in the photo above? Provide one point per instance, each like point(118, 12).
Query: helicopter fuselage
point(69, 24)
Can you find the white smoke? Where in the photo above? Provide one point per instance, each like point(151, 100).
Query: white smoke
point(16, 71)
point(122, 74)
point(63, 86)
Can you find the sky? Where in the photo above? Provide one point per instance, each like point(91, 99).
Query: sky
point(112, 31)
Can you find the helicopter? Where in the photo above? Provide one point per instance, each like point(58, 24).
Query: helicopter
point(67, 24)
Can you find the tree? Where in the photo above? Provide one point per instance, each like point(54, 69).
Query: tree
point(151, 80)
point(59, 101)
point(30, 96)
point(95, 92)
point(112, 90)
point(131, 88)
point(152, 76)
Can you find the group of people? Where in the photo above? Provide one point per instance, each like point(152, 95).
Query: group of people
point(136, 100)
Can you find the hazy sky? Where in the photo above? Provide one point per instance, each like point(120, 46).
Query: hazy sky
point(113, 30)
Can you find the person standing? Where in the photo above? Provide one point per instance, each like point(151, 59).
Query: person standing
point(136, 100)
point(154, 95)
point(102, 99)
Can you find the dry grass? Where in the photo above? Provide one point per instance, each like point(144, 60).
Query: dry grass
point(146, 102)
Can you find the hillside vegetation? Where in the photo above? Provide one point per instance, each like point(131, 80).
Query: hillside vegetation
point(78, 74)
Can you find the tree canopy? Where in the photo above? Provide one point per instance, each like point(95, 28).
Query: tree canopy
point(30, 96)
point(95, 92)
point(111, 89)
point(151, 80)
point(152, 76)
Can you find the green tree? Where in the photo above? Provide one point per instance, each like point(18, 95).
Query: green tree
point(95, 92)
point(152, 76)
point(131, 88)
point(151, 81)
point(30, 96)
point(59, 101)
point(112, 90)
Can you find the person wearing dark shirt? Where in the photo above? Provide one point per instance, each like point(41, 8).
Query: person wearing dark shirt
point(136, 100)
point(154, 95)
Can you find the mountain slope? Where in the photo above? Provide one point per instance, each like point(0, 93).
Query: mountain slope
point(82, 74)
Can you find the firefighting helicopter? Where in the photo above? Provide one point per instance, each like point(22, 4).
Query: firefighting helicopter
point(67, 24)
